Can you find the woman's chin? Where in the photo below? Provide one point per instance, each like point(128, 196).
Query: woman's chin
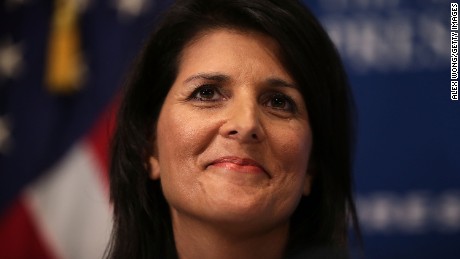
point(240, 212)
point(248, 203)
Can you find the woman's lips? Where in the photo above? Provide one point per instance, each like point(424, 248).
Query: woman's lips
point(242, 165)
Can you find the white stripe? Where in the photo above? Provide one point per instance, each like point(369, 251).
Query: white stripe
point(71, 207)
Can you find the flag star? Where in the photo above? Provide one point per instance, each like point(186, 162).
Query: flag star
point(10, 60)
point(5, 135)
point(131, 8)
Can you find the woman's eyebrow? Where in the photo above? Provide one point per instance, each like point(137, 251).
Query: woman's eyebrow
point(278, 82)
point(218, 77)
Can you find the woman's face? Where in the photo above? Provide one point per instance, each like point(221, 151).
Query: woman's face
point(233, 137)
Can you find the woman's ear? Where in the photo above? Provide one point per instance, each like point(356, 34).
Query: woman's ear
point(154, 168)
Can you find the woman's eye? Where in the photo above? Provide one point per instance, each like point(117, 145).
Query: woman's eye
point(206, 93)
point(281, 102)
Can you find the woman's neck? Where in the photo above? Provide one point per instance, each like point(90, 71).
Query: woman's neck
point(200, 240)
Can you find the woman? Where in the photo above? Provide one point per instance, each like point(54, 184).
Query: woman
point(233, 139)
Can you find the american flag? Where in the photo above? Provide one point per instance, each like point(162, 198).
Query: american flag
point(61, 65)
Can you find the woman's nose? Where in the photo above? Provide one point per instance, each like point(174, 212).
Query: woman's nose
point(243, 123)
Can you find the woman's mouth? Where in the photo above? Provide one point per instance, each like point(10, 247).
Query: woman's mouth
point(238, 164)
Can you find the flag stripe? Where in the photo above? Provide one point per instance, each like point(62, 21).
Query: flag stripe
point(19, 237)
point(99, 139)
point(70, 198)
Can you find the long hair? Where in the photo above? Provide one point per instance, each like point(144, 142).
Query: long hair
point(142, 222)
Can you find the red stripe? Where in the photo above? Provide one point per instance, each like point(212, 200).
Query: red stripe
point(99, 138)
point(19, 238)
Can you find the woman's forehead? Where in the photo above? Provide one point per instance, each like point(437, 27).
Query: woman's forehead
point(219, 50)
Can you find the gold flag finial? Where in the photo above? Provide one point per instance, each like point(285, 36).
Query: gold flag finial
point(64, 64)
